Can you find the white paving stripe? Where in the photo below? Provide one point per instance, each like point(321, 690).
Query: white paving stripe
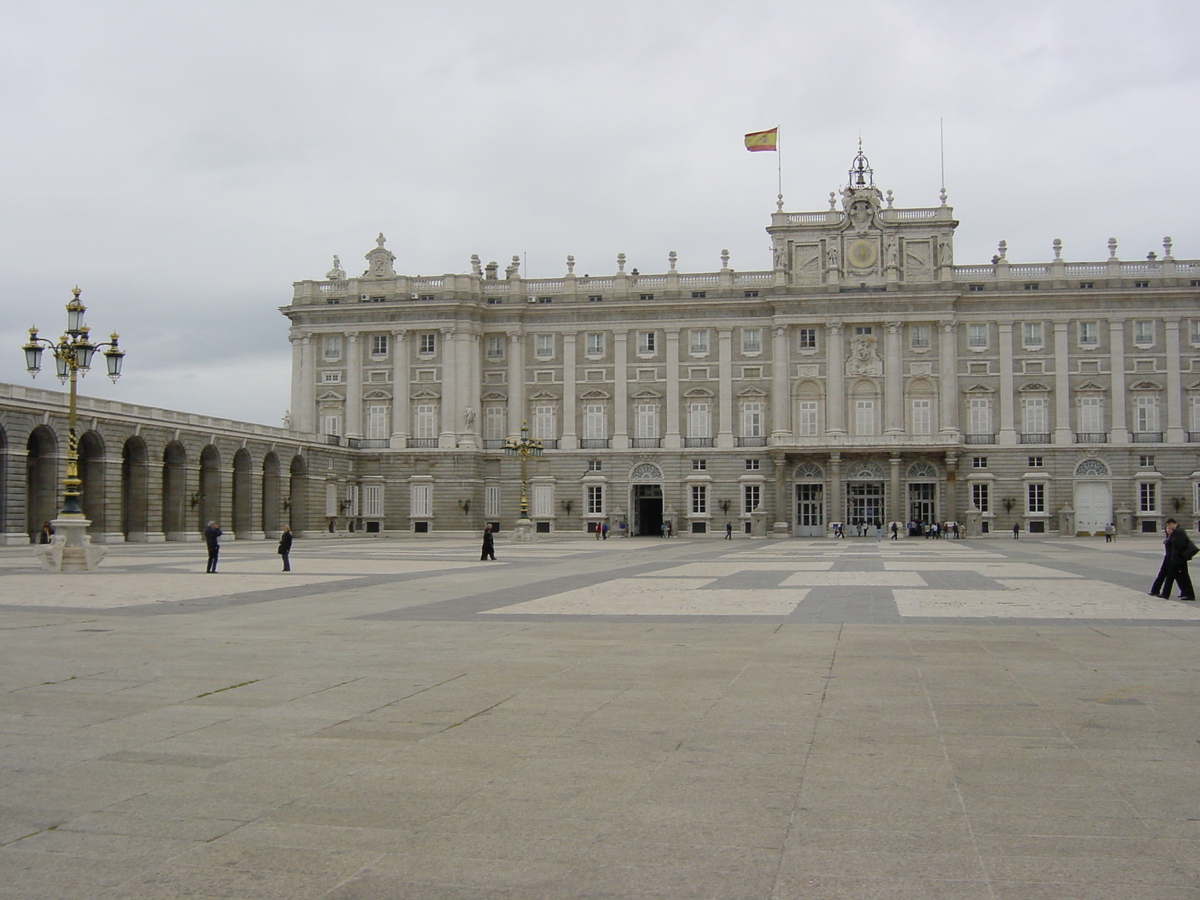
point(1037, 599)
point(989, 569)
point(864, 579)
point(651, 597)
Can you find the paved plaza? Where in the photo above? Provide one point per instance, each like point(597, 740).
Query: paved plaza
point(631, 718)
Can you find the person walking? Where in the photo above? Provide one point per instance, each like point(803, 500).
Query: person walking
point(1156, 589)
point(212, 536)
point(604, 530)
point(729, 531)
point(1179, 550)
point(489, 545)
point(285, 547)
point(1016, 531)
point(895, 531)
point(1110, 531)
point(878, 530)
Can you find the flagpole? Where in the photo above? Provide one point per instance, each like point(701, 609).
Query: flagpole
point(779, 167)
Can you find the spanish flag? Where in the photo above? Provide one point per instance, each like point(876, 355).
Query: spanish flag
point(763, 140)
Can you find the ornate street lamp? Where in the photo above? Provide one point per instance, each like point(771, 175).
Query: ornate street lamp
point(524, 448)
point(73, 353)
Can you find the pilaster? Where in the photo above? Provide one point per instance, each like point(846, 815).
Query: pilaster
point(672, 439)
point(1008, 433)
point(835, 378)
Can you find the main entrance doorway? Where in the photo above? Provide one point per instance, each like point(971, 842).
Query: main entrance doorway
point(922, 506)
point(864, 502)
point(646, 501)
point(810, 510)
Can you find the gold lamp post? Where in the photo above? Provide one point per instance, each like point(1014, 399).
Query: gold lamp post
point(524, 448)
point(72, 353)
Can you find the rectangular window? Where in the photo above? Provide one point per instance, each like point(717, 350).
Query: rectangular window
point(646, 420)
point(1195, 331)
point(1031, 336)
point(1035, 462)
point(594, 425)
point(751, 340)
point(977, 335)
point(922, 416)
point(752, 419)
point(1195, 413)
point(645, 296)
point(1091, 415)
point(698, 345)
point(752, 464)
point(379, 345)
point(981, 497)
point(979, 415)
point(1146, 462)
point(1145, 414)
point(543, 346)
point(372, 495)
point(808, 418)
point(595, 500)
point(493, 423)
point(333, 346)
point(918, 336)
point(595, 344)
point(491, 501)
point(377, 422)
point(864, 416)
point(1147, 497)
point(751, 495)
point(333, 425)
point(1143, 333)
point(1035, 497)
point(1035, 415)
point(979, 462)
point(1089, 334)
point(699, 499)
point(331, 377)
point(646, 342)
point(544, 424)
point(595, 465)
point(863, 329)
point(425, 421)
point(699, 465)
point(808, 338)
point(421, 500)
point(699, 295)
point(699, 420)
point(595, 298)
point(495, 346)
point(427, 345)
point(542, 497)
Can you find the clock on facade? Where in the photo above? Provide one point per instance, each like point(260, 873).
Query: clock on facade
point(862, 254)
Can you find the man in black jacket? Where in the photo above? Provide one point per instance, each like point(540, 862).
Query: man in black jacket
point(285, 547)
point(1177, 545)
point(211, 537)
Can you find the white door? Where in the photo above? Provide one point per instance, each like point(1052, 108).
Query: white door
point(1093, 507)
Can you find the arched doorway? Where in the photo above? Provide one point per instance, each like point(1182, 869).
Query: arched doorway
point(174, 491)
point(922, 493)
point(135, 490)
point(297, 500)
point(865, 494)
point(42, 501)
point(810, 500)
point(241, 494)
point(1093, 497)
point(270, 495)
point(646, 500)
point(91, 474)
point(210, 487)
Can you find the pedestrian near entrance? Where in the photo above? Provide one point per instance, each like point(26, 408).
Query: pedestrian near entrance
point(1164, 569)
point(285, 547)
point(895, 531)
point(1110, 531)
point(878, 530)
point(489, 545)
point(729, 531)
point(604, 530)
point(1016, 530)
point(212, 535)
point(1179, 550)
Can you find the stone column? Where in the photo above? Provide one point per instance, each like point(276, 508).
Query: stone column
point(1175, 431)
point(837, 499)
point(783, 506)
point(516, 384)
point(672, 439)
point(451, 410)
point(835, 380)
point(570, 439)
point(893, 381)
point(466, 378)
point(401, 428)
point(354, 391)
point(620, 439)
point(1062, 386)
point(896, 506)
point(309, 422)
point(781, 401)
point(948, 376)
point(1008, 433)
point(725, 388)
point(296, 414)
point(950, 502)
point(1119, 420)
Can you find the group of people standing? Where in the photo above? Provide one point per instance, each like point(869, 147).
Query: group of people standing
point(212, 540)
point(1177, 550)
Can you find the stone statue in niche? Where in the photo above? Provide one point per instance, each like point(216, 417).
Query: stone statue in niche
point(864, 359)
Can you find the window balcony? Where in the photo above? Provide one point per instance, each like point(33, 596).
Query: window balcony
point(1035, 438)
point(1146, 437)
point(640, 443)
point(697, 442)
point(1193, 436)
point(422, 442)
point(594, 443)
point(333, 440)
point(752, 442)
point(493, 445)
point(374, 443)
point(979, 438)
point(1091, 437)
point(548, 443)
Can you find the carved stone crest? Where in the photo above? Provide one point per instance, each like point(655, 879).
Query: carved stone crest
point(864, 358)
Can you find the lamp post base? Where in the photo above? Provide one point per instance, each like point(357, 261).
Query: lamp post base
point(524, 532)
point(71, 548)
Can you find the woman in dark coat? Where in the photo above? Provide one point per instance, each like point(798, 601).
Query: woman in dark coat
point(285, 547)
point(489, 547)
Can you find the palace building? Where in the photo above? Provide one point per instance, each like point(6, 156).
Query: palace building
point(863, 376)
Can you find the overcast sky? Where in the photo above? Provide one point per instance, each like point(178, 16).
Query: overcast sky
point(184, 163)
